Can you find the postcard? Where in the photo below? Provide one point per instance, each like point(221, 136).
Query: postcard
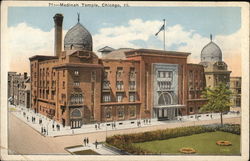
point(117, 80)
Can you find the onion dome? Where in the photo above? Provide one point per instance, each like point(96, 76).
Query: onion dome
point(211, 52)
point(78, 38)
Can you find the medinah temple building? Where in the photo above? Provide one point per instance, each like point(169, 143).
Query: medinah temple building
point(76, 87)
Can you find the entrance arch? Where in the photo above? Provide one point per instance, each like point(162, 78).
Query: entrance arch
point(165, 99)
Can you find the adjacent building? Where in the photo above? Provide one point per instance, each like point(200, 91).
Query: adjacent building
point(235, 86)
point(76, 87)
point(19, 89)
point(215, 69)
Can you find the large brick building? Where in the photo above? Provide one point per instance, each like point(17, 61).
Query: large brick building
point(75, 87)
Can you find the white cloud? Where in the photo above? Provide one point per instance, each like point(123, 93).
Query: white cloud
point(26, 41)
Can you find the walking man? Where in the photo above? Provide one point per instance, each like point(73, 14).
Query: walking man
point(87, 140)
point(96, 143)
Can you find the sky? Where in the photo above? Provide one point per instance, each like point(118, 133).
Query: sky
point(31, 30)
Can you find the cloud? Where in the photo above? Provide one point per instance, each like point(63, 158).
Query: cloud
point(26, 41)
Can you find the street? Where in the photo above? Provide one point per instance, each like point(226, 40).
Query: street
point(25, 140)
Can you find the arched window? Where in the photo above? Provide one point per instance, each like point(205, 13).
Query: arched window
point(72, 98)
point(76, 98)
point(76, 113)
point(164, 99)
point(80, 98)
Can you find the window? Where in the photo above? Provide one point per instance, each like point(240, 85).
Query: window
point(63, 72)
point(132, 85)
point(93, 76)
point(119, 97)
point(80, 98)
point(132, 112)
point(63, 85)
point(108, 112)
point(119, 85)
point(120, 112)
point(131, 97)
point(106, 98)
point(76, 72)
point(132, 73)
point(76, 83)
point(191, 109)
point(106, 85)
point(119, 72)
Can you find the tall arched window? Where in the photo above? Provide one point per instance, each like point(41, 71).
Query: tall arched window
point(80, 98)
point(164, 99)
point(76, 98)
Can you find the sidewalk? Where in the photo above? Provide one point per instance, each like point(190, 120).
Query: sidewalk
point(100, 149)
point(47, 124)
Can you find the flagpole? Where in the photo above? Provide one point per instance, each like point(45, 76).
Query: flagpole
point(164, 35)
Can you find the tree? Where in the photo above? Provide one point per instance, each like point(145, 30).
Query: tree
point(218, 99)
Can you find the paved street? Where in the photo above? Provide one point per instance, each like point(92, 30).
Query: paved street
point(25, 140)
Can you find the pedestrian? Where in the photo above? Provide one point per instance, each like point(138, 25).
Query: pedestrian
point(114, 125)
point(96, 143)
point(87, 141)
point(144, 121)
point(44, 131)
point(34, 120)
point(84, 141)
point(99, 125)
point(28, 118)
point(41, 129)
point(95, 127)
point(53, 126)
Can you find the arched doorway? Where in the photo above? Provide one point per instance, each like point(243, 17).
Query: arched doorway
point(165, 99)
point(76, 118)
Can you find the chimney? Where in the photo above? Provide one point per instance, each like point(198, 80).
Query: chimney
point(58, 19)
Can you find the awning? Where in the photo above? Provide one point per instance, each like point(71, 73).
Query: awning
point(170, 106)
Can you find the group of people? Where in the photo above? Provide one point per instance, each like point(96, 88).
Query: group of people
point(86, 141)
point(98, 126)
point(147, 121)
point(43, 131)
point(33, 119)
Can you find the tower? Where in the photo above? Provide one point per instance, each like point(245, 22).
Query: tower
point(58, 19)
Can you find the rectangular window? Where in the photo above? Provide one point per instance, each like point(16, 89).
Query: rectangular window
point(132, 97)
point(76, 72)
point(119, 85)
point(106, 85)
point(63, 72)
point(132, 85)
point(190, 109)
point(63, 85)
point(119, 72)
point(132, 73)
point(106, 98)
point(76, 83)
point(93, 76)
point(119, 97)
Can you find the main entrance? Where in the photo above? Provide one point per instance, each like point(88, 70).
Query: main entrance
point(75, 123)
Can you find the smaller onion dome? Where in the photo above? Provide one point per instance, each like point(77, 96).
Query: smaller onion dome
point(211, 52)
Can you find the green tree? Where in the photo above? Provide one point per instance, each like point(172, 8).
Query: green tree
point(218, 99)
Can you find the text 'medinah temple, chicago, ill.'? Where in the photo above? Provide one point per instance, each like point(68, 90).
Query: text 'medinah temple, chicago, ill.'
point(75, 87)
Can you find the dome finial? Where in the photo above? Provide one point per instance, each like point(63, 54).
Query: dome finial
point(78, 17)
point(211, 37)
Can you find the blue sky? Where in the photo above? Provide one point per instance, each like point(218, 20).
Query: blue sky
point(204, 20)
point(188, 29)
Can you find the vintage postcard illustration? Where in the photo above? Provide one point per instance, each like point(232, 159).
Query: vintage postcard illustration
point(97, 80)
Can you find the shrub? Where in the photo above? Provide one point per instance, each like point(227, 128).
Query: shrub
point(124, 142)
